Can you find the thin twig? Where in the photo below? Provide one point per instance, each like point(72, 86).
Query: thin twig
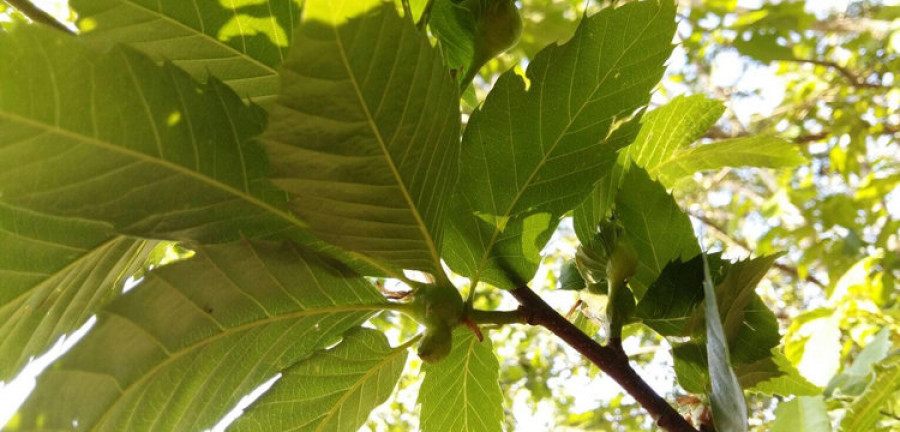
point(38, 15)
point(854, 79)
point(611, 360)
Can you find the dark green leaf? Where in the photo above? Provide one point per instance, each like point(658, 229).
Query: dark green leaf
point(671, 299)
point(364, 136)
point(531, 154)
point(750, 327)
point(461, 393)
point(570, 278)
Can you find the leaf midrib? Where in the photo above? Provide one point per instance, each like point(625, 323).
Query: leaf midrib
point(506, 214)
point(420, 223)
point(175, 355)
point(359, 383)
point(242, 194)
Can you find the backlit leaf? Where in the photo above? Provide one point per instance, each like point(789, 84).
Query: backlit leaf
point(461, 393)
point(531, 153)
point(334, 390)
point(197, 335)
point(54, 274)
point(240, 42)
point(365, 134)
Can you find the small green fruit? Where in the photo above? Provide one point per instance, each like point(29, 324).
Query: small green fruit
point(440, 304)
point(622, 263)
point(435, 343)
point(498, 27)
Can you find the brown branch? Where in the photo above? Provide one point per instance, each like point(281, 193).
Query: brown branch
point(38, 15)
point(743, 245)
point(610, 359)
point(849, 75)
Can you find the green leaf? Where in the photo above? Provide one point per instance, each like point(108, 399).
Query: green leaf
point(654, 224)
point(179, 350)
point(239, 42)
point(691, 366)
point(803, 414)
point(726, 396)
point(854, 379)
point(454, 28)
point(597, 206)
point(775, 375)
point(671, 299)
point(364, 136)
point(462, 393)
point(735, 293)
point(672, 127)
point(149, 151)
point(570, 278)
point(751, 329)
point(54, 274)
point(118, 139)
point(864, 413)
point(756, 151)
point(334, 390)
point(531, 153)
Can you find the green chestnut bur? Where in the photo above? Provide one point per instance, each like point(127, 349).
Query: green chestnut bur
point(498, 27)
point(440, 308)
point(435, 344)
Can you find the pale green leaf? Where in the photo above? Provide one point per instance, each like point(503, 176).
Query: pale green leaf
point(725, 394)
point(241, 42)
point(865, 411)
point(530, 154)
point(54, 274)
point(178, 351)
point(672, 127)
point(118, 139)
point(654, 225)
point(803, 414)
point(756, 151)
point(854, 379)
point(334, 390)
point(365, 134)
point(462, 393)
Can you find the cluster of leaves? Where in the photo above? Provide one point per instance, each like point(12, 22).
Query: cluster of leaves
point(295, 153)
